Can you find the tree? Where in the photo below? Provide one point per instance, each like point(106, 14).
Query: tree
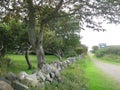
point(43, 11)
point(94, 49)
point(53, 44)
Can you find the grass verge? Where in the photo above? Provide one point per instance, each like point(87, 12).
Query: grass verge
point(112, 59)
point(73, 78)
point(99, 80)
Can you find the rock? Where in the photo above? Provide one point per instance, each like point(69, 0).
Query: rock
point(57, 73)
point(5, 80)
point(19, 86)
point(22, 75)
point(52, 75)
point(45, 68)
point(53, 68)
point(48, 78)
point(64, 65)
point(5, 86)
point(40, 76)
point(32, 79)
point(11, 76)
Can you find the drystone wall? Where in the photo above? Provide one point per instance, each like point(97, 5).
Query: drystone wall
point(47, 74)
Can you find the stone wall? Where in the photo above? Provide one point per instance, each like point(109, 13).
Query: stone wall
point(49, 73)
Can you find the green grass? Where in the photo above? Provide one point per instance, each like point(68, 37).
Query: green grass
point(98, 80)
point(110, 59)
point(19, 63)
point(73, 78)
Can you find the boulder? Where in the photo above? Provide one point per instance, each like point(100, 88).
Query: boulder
point(5, 86)
point(40, 76)
point(22, 75)
point(32, 80)
point(11, 76)
point(45, 68)
point(19, 86)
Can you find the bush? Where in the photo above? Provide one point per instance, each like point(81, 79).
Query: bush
point(110, 50)
point(79, 50)
point(100, 53)
point(70, 53)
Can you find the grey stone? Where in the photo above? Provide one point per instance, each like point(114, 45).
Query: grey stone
point(11, 76)
point(57, 73)
point(19, 86)
point(45, 68)
point(48, 78)
point(52, 75)
point(40, 76)
point(5, 86)
point(32, 79)
point(22, 75)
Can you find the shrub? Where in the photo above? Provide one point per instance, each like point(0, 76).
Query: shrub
point(100, 53)
point(79, 50)
point(70, 53)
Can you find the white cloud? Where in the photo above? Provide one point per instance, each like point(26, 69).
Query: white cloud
point(111, 36)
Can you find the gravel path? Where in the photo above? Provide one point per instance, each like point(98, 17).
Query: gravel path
point(110, 69)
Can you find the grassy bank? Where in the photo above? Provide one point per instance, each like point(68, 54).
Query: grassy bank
point(97, 79)
point(73, 78)
point(110, 59)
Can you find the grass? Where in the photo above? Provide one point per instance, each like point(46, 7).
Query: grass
point(97, 79)
point(113, 59)
point(19, 63)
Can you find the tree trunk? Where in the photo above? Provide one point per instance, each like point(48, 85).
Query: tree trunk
point(40, 56)
point(39, 48)
point(27, 58)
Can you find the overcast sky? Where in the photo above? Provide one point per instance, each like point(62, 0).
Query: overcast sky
point(111, 36)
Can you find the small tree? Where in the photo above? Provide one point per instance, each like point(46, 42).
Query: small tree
point(94, 49)
point(79, 50)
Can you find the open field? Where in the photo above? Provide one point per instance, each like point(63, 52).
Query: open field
point(19, 63)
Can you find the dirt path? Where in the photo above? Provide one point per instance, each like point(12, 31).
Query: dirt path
point(110, 69)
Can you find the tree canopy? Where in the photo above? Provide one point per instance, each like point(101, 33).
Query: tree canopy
point(37, 14)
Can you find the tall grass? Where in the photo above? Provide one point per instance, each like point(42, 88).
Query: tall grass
point(98, 80)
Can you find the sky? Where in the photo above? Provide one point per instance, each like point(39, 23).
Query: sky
point(111, 36)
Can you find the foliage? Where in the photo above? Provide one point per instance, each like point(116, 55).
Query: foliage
point(41, 13)
point(13, 35)
point(100, 53)
point(52, 43)
point(79, 50)
point(67, 28)
point(114, 50)
point(69, 53)
point(94, 49)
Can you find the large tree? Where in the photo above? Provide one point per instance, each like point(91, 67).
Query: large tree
point(40, 12)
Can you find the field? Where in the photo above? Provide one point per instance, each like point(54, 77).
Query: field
point(19, 63)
